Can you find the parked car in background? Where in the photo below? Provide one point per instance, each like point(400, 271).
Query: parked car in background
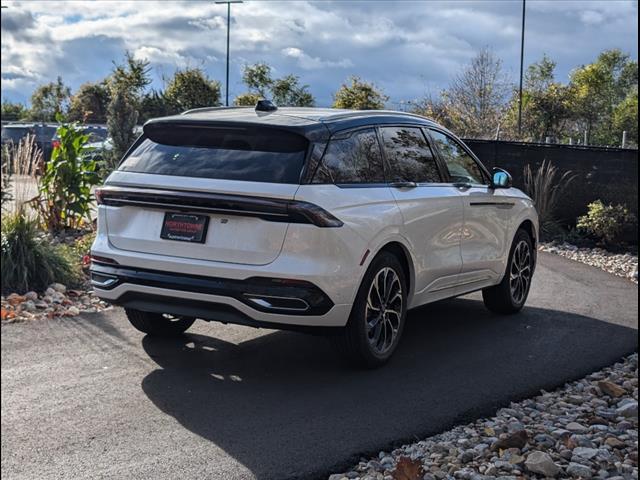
point(311, 219)
point(14, 132)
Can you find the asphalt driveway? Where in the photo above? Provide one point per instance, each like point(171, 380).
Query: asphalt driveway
point(93, 398)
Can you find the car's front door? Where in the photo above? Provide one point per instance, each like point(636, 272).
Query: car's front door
point(431, 210)
point(486, 211)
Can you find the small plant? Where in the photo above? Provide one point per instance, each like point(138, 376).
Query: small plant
point(607, 223)
point(20, 164)
point(65, 197)
point(546, 188)
point(5, 191)
point(29, 260)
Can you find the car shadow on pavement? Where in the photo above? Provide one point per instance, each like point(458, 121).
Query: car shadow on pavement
point(285, 406)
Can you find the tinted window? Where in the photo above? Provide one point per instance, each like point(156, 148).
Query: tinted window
point(462, 167)
point(354, 158)
point(409, 156)
point(256, 155)
point(15, 134)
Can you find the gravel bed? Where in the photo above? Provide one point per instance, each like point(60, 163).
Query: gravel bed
point(623, 265)
point(587, 429)
point(56, 301)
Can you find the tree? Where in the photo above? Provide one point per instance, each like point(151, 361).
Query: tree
point(545, 110)
point(49, 101)
point(132, 76)
point(595, 91)
point(258, 78)
point(285, 91)
point(190, 88)
point(154, 104)
point(625, 118)
point(359, 95)
point(89, 103)
point(13, 111)
point(122, 118)
point(126, 85)
point(288, 93)
point(247, 99)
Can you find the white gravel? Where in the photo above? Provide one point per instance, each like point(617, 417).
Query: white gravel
point(622, 265)
point(587, 429)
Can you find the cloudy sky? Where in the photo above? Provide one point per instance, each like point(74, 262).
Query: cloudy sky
point(408, 48)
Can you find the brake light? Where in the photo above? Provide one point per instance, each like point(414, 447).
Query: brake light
point(98, 259)
point(99, 193)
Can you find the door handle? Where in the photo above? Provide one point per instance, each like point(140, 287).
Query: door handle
point(404, 184)
point(462, 185)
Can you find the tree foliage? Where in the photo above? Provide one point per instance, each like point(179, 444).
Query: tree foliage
point(191, 88)
point(89, 103)
point(122, 118)
point(474, 104)
point(545, 104)
point(358, 94)
point(285, 91)
point(13, 111)
point(597, 89)
point(50, 100)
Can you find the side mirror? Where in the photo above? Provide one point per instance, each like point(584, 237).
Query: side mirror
point(501, 179)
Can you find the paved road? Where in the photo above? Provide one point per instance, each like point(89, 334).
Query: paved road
point(90, 397)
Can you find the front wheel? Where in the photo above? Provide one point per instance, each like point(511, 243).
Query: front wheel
point(378, 315)
point(158, 324)
point(510, 295)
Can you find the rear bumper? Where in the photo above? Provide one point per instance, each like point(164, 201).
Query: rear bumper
point(256, 301)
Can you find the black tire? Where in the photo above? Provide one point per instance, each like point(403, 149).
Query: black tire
point(158, 324)
point(502, 298)
point(356, 341)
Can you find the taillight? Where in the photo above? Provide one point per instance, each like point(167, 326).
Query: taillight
point(99, 194)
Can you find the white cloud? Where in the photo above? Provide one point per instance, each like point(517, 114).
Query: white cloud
point(405, 47)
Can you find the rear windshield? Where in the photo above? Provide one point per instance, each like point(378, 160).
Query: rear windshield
point(15, 134)
point(249, 154)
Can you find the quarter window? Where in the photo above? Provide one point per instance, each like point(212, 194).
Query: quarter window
point(409, 156)
point(461, 166)
point(352, 158)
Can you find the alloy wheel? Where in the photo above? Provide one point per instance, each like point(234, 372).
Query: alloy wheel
point(384, 310)
point(520, 272)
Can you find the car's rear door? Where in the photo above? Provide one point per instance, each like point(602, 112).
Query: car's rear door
point(205, 192)
point(432, 210)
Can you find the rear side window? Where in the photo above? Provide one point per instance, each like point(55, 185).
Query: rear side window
point(248, 154)
point(462, 167)
point(409, 155)
point(352, 158)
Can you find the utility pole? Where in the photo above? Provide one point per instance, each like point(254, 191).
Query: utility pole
point(228, 2)
point(521, 71)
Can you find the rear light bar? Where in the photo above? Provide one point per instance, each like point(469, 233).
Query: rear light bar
point(272, 209)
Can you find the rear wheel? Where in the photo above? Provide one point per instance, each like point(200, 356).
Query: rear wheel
point(159, 324)
point(378, 315)
point(510, 295)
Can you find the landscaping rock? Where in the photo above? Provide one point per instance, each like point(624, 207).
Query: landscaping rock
point(542, 463)
point(579, 431)
point(622, 265)
point(611, 389)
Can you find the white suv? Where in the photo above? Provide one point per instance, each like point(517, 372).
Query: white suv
point(311, 219)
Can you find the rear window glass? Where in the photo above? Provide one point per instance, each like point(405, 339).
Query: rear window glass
point(249, 154)
point(15, 134)
point(352, 158)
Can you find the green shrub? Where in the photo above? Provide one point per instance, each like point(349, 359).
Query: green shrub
point(546, 187)
point(65, 195)
point(607, 223)
point(29, 260)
